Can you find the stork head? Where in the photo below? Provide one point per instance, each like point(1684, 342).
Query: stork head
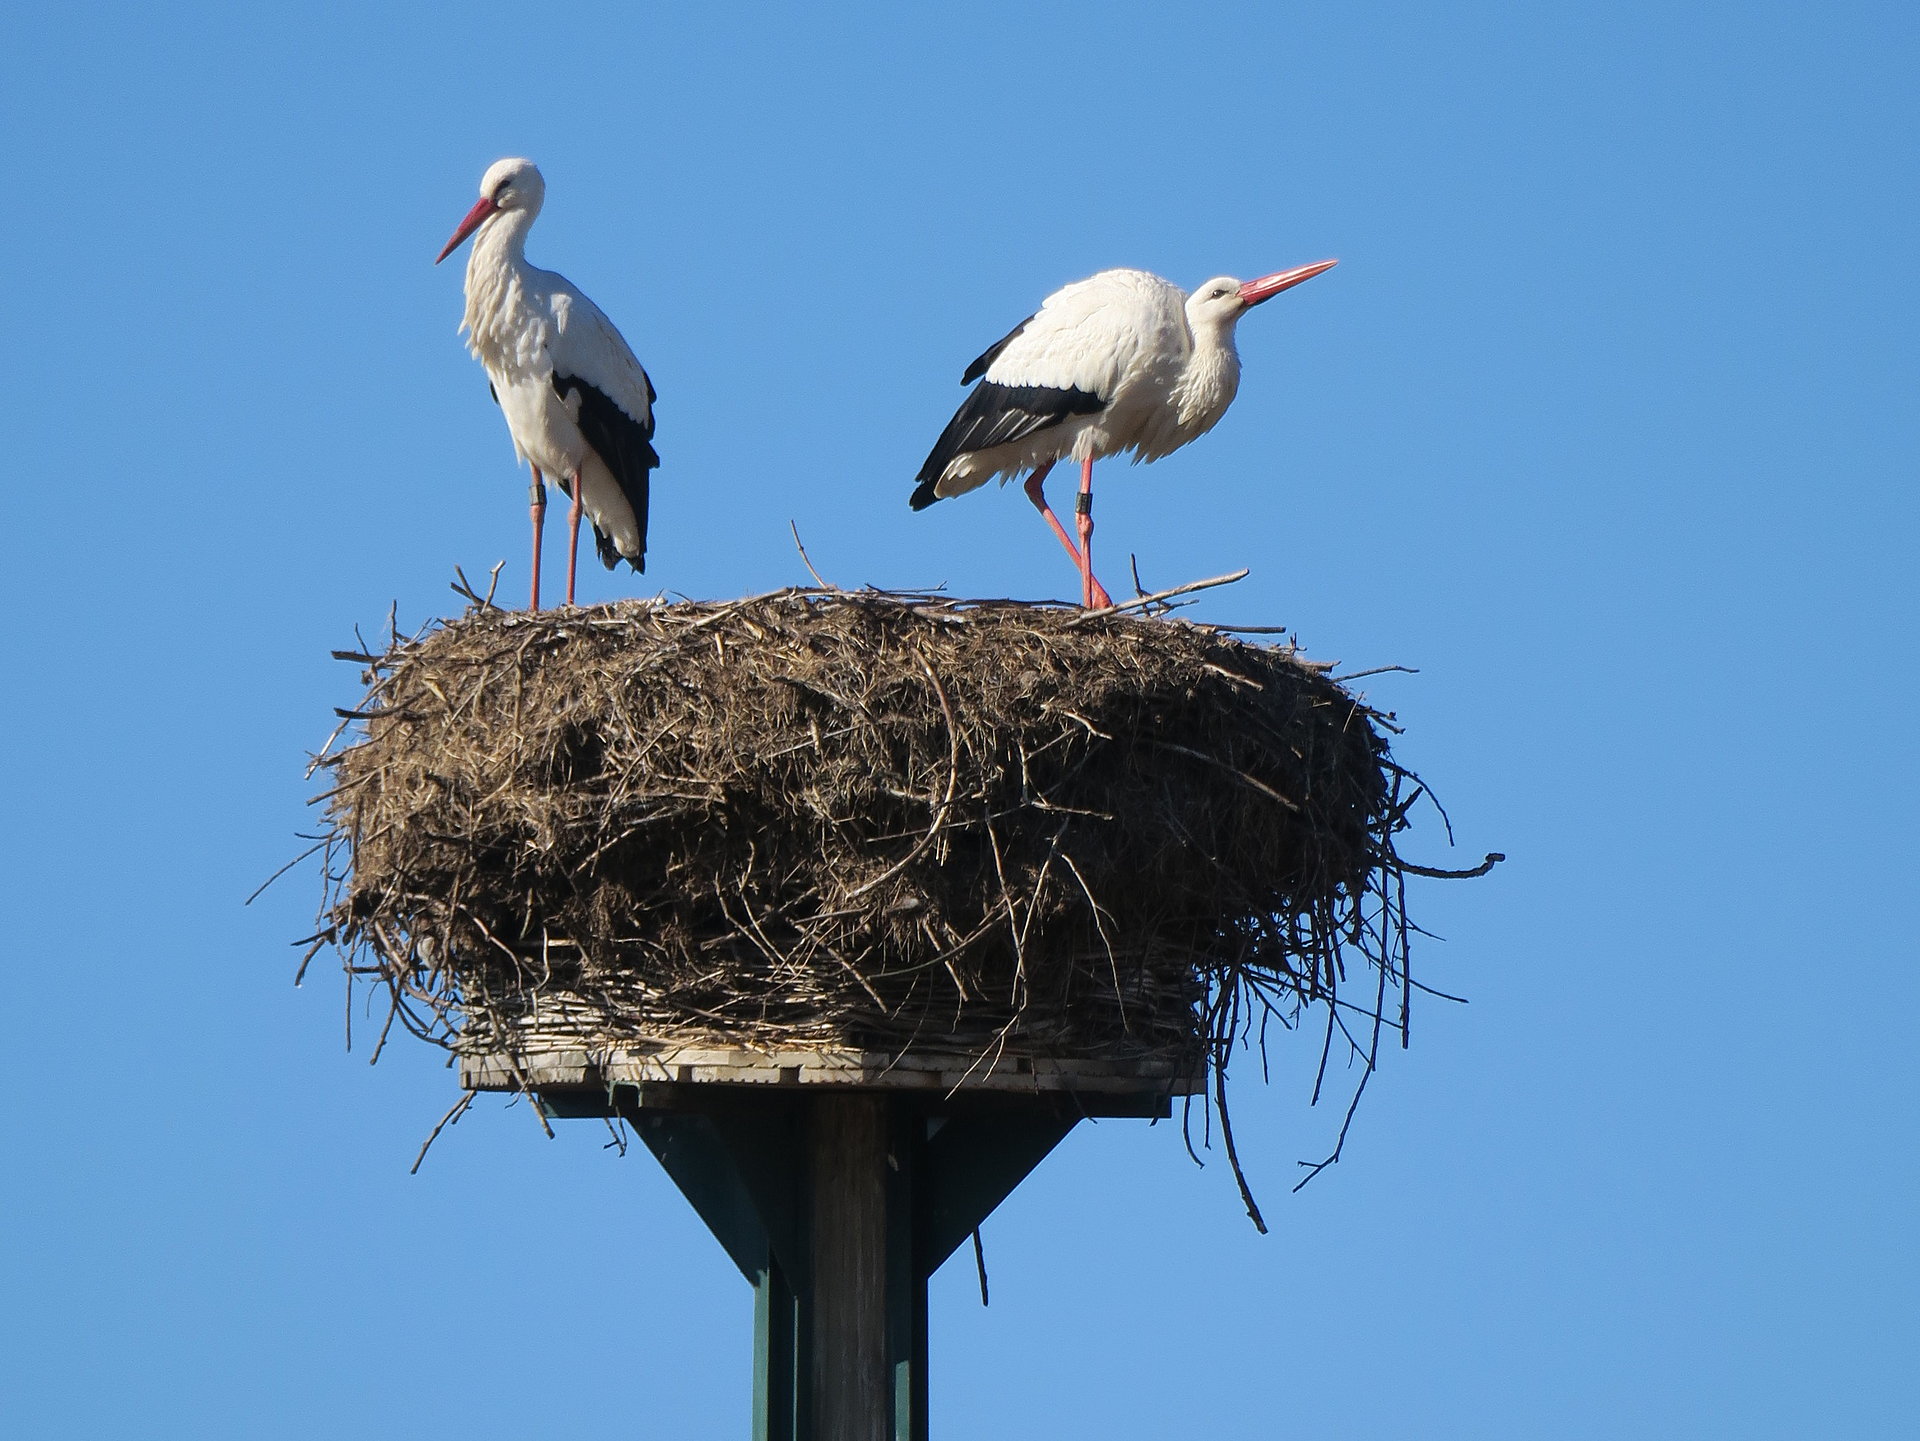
point(508, 185)
point(1223, 300)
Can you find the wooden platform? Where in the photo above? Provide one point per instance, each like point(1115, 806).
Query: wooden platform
point(932, 1073)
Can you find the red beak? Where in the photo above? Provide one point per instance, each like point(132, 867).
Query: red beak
point(1268, 286)
point(481, 210)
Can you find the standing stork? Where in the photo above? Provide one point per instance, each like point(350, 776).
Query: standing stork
point(577, 403)
point(1120, 361)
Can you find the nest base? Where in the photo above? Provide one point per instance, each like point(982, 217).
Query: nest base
point(921, 1070)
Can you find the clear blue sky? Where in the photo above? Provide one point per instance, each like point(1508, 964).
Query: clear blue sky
point(1605, 423)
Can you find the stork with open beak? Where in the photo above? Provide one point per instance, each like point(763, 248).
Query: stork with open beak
point(577, 403)
point(1122, 361)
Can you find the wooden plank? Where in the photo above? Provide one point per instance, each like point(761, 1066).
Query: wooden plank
point(927, 1071)
point(851, 1395)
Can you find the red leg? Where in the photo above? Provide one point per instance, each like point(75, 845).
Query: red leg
point(573, 537)
point(1093, 595)
point(537, 504)
point(1039, 498)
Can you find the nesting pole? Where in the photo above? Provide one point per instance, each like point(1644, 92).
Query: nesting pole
point(852, 905)
point(838, 1183)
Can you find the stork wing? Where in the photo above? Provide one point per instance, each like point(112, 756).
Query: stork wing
point(586, 346)
point(1091, 335)
point(1067, 358)
point(997, 415)
point(992, 353)
point(623, 445)
point(615, 415)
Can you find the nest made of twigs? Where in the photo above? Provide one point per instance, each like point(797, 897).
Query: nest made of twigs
point(887, 821)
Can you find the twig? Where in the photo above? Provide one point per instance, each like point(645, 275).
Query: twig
point(1157, 596)
point(320, 844)
point(1232, 770)
point(1376, 670)
point(313, 945)
point(824, 585)
point(946, 801)
point(1371, 1059)
point(1408, 867)
point(452, 1118)
point(1233, 1156)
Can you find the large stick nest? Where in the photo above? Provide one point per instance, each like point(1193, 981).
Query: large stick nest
point(864, 819)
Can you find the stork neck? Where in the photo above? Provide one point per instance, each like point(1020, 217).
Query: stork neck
point(502, 241)
point(1211, 377)
point(496, 319)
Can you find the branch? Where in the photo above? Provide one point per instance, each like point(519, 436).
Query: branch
point(1161, 595)
point(1493, 859)
point(823, 584)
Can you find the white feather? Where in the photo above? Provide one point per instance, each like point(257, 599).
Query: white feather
point(1167, 375)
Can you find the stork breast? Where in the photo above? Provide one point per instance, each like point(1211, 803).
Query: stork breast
point(543, 425)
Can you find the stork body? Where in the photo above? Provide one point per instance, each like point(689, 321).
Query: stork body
point(1120, 362)
point(577, 403)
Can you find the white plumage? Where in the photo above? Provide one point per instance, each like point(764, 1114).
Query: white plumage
point(576, 401)
point(1120, 362)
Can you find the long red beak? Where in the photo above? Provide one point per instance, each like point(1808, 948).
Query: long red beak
point(1268, 286)
point(481, 210)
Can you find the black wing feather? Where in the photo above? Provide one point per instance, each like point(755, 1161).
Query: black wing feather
point(979, 367)
point(998, 415)
point(626, 445)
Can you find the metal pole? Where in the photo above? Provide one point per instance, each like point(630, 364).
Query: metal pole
point(907, 1274)
point(780, 1400)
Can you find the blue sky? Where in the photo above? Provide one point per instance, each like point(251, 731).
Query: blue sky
point(1605, 423)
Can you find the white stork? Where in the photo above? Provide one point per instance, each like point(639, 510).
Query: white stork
point(1121, 361)
point(577, 403)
